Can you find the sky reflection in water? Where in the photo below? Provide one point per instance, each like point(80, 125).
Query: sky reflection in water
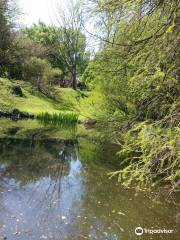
point(49, 191)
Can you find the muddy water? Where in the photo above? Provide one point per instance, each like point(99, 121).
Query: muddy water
point(60, 191)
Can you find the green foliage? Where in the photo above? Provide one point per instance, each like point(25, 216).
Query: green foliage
point(90, 76)
point(28, 62)
point(47, 36)
point(150, 156)
point(138, 67)
point(61, 49)
point(22, 49)
point(7, 13)
point(61, 118)
point(137, 72)
point(5, 25)
point(39, 72)
point(61, 44)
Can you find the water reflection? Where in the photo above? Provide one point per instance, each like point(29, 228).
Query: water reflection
point(56, 190)
point(45, 194)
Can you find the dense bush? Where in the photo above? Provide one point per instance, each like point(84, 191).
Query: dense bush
point(40, 72)
point(21, 50)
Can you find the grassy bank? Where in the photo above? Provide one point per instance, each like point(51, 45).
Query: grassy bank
point(86, 104)
point(33, 101)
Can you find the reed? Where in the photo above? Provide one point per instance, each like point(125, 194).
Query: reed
point(61, 118)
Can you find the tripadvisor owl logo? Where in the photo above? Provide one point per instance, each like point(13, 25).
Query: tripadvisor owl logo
point(139, 231)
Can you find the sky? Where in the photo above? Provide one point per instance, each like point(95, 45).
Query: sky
point(35, 10)
point(46, 10)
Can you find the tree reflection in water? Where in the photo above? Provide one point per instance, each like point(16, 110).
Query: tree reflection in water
point(60, 191)
point(50, 188)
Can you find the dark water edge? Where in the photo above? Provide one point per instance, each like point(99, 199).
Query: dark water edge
point(59, 189)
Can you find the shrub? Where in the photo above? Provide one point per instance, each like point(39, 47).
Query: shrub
point(40, 72)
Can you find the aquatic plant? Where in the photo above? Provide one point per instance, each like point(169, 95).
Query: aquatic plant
point(65, 118)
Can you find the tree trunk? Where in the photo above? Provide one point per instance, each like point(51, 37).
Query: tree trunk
point(74, 79)
point(38, 84)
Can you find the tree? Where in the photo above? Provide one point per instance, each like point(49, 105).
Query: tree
point(47, 36)
point(137, 71)
point(7, 13)
point(21, 50)
point(40, 72)
point(72, 42)
point(138, 64)
point(66, 47)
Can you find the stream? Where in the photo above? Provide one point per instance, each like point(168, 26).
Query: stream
point(60, 191)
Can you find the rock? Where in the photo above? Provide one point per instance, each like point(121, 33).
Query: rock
point(90, 122)
point(18, 115)
point(15, 114)
point(16, 90)
point(4, 114)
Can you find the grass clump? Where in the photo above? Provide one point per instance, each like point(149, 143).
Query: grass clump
point(64, 118)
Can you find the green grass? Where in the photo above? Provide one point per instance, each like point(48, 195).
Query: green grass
point(34, 102)
point(61, 118)
point(86, 104)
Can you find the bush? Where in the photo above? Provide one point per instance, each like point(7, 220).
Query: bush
point(21, 51)
point(40, 72)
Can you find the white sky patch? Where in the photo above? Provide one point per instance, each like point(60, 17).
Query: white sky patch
point(47, 11)
point(35, 10)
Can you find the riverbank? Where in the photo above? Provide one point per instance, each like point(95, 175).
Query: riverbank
point(30, 101)
point(147, 152)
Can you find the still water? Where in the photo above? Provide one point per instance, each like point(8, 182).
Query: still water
point(60, 191)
